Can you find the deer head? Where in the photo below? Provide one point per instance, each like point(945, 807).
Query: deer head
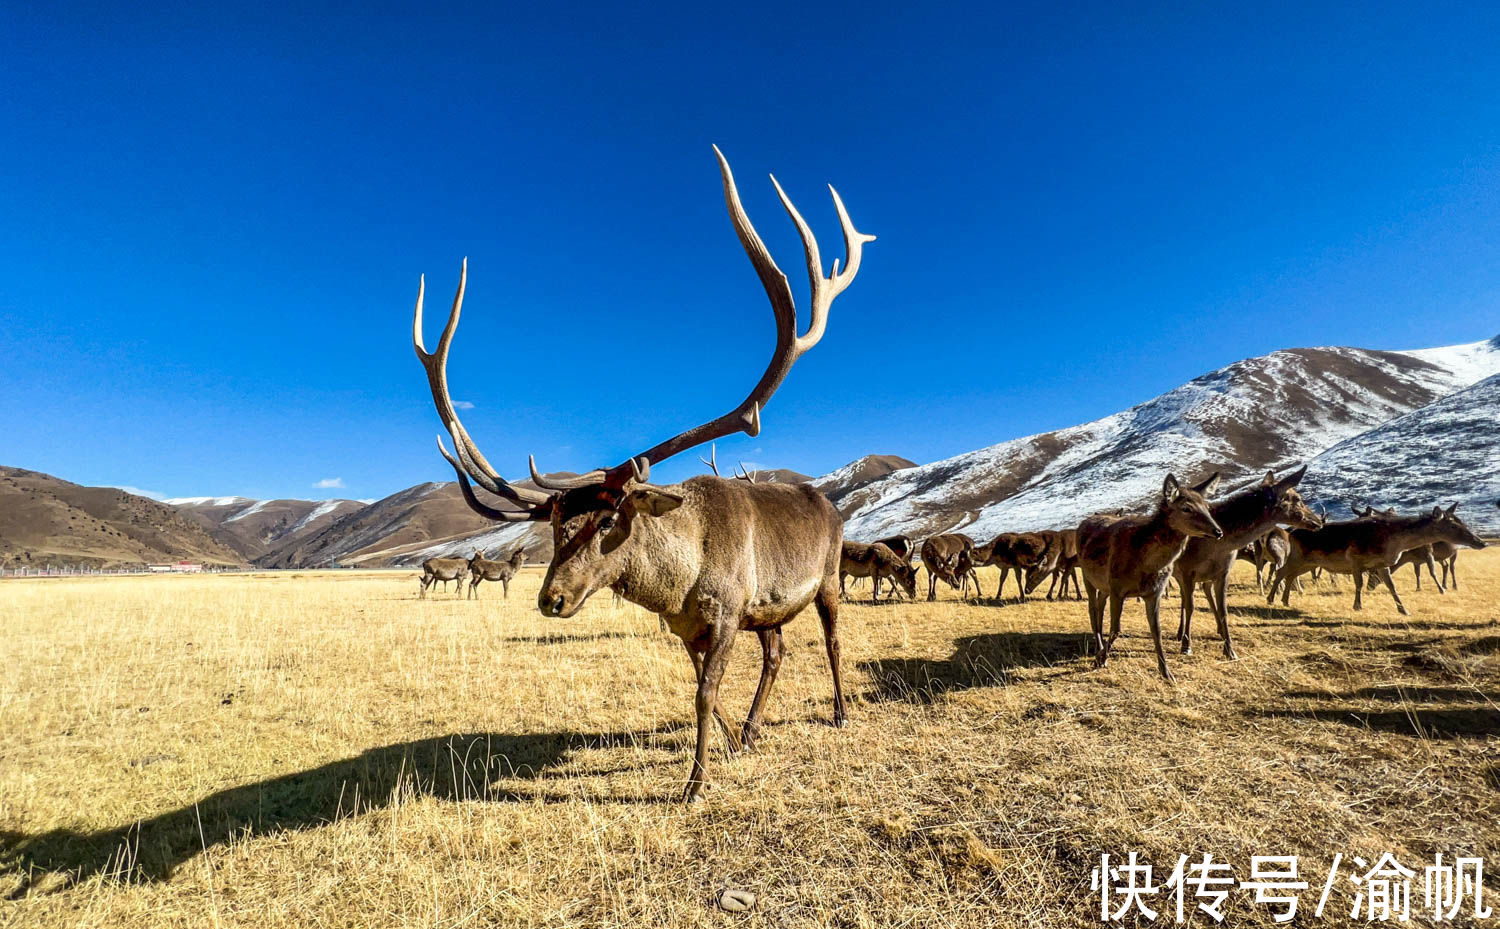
point(1455, 531)
point(906, 575)
point(597, 518)
point(1286, 503)
point(1185, 509)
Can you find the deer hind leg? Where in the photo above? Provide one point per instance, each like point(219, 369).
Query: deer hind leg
point(1432, 573)
point(473, 582)
point(931, 585)
point(1153, 618)
point(505, 588)
point(1450, 571)
point(1052, 586)
point(1077, 591)
point(770, 649)
point(1385, 575)
point(827, 603)
point(1359, 586)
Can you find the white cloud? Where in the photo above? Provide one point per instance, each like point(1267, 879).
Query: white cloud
point(462, 405)
point(329, 482)
point(365, 500)
point(153, 494)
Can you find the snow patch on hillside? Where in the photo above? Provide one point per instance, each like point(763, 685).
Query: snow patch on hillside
point(250, 510)
point(318, 512)
point(206, 501)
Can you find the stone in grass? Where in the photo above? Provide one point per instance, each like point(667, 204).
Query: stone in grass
point(736, 901)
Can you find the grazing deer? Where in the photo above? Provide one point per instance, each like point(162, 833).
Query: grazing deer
point(1012, 551)
point(1131, 556)
point(1370, 543)
point(443, 569)
point(940, 556)
point(877, 561)
point(502, 571)
point(1059, 560)
point(710, 556)
point(1244, 517)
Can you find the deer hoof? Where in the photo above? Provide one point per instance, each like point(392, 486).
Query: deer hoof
point(1187, 647)
point(737, 901)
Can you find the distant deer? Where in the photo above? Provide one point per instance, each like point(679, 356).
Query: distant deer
point(1244, 518)
point(1416, 557)
point(1131, 556)
point(1012, 551)
point(1370, 543)
point(502, 571)
point(443, 569)
point(1059, 561)
point(940, 556)
point(709, 555)
point(877, 561)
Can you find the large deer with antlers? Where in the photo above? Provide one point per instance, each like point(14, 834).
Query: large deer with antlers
point(710, 556)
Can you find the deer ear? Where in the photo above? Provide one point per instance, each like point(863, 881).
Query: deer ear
point(1208, 487)
point(1453, 510)
point(653, 502)
point(1437, 511)
point(1170, 488)
point(1269, 480)
point(1291, 480)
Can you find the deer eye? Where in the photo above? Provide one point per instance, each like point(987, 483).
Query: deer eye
point(608, 522)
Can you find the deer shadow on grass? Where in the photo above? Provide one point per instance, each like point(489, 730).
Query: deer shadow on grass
point(977, 661)
point(1459, 713)
point(455, 768)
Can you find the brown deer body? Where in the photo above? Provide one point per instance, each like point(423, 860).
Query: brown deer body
point(443, 569)
point(1059, 561)
point(1125, 557)
point(876, 561)
point(481, 569)
point(1245, 518)
point(902, 545)
point(1012, 551)
point(940, 556)
point(1371, 543)
point(709, 556)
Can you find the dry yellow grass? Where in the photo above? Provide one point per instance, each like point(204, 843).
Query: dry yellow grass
point(326, 750)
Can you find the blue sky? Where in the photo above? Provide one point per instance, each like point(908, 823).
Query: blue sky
point(212, 223)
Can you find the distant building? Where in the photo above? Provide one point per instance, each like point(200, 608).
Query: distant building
point(181, 567)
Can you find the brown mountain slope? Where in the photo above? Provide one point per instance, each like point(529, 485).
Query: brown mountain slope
point(417, 514)
point(46, 520)
point(255, 527)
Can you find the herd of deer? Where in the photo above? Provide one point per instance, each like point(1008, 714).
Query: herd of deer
point(712, 556)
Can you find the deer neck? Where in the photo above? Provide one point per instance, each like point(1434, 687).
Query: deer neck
point(1159, 543)
point(1411, 532)
point(1244, 518)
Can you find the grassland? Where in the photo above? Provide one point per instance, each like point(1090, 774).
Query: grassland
point(326, 750)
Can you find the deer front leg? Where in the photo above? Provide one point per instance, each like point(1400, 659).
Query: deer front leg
point(1053, 585)
point(505, 588)
point(1153, 606)
point(1359, 586)
point(1385, 575)
point(1221, 610)
point(1432, 573)
point(770, 650)
point(1453, 567)
point(730, 735)
point(712, 665)
point(1096, 624)
point(1116, 605)
point(1185, 618)
point(931, 585)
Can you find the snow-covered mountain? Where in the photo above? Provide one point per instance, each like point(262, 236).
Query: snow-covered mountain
point(1445, 452)
point(1261, 413)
